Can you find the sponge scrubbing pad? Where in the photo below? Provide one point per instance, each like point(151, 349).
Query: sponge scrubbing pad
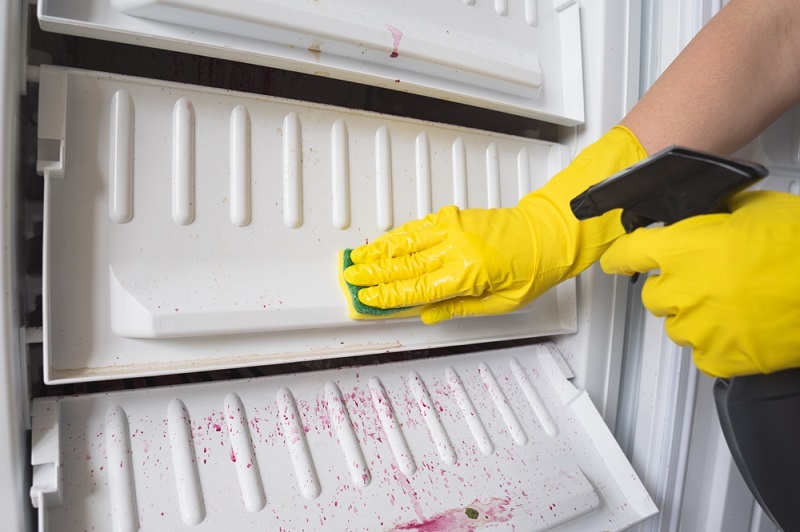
point(357, 310)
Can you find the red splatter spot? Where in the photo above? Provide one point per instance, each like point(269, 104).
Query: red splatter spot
point(396, 35)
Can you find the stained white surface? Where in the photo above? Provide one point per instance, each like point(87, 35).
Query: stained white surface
point(523, 58)
point(270, 452)
point(181, 283)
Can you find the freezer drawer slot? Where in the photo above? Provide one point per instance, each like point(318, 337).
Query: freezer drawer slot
point(189, 228)
point(523, 58)
point(387, 447)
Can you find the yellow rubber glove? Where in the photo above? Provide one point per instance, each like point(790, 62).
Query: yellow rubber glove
point(729, 284)
point(491, 261)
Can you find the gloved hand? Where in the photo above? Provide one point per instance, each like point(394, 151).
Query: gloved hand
point(491, 261)
point(729, 284)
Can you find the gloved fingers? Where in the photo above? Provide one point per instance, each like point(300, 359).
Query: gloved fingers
point(637, 252)
point(398, 243)
point(682, 333)
point(466, 306)
point(717, 345)
point(395, 269)
point(443, 283)
point(410, 237)
point(658, 297)
point(691, 325)
point(675, 327)
point(651, 248)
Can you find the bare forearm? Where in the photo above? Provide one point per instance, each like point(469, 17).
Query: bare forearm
point(738, 75)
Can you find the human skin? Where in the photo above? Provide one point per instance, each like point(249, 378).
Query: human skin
point(738, 74)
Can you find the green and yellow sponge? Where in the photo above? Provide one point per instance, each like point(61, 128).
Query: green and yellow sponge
point(357, 310)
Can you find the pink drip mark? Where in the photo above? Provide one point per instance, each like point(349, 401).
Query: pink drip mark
point(473, 516)
point(396, 35)
point(233, 455)
point(406, 485)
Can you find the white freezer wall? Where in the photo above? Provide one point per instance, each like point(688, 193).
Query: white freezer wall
point(14, 477)
point(616, 23)
point(611, 75)
point(610, 70)
point(668, 423)
point(610, 97)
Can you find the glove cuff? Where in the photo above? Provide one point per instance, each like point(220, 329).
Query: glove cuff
point(587, 240)
point(613, 152)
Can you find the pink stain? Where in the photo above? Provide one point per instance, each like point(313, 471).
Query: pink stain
point(233, 455)
point(405, 485)
point(462, 520)
point(396, 35)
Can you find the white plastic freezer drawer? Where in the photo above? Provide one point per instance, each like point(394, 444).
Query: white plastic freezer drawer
point(521, 57)
point(497, 439)
point(189, 228)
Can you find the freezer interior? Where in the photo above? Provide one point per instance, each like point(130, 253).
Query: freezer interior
point(188, 174)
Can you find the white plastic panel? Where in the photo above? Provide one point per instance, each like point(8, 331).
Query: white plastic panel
point(13, 379)
point(518, 57)
point(497, 439)
point(175, 212)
